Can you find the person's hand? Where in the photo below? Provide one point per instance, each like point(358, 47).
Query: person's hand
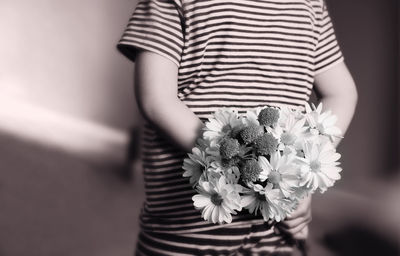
point(296, 225)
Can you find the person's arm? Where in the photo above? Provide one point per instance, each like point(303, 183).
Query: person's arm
point(156, 94)
point(337, 93)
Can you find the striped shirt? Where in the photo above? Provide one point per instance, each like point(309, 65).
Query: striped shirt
point(240, 54)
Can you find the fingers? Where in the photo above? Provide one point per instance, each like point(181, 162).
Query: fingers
point(289, 225)
point(302, 234)
point(298, 213)
point(295, 227)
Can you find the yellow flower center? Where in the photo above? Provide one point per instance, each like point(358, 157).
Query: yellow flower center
point(226, 128)
point(216, 199)
point(274, 177)
point(315, 166)
point(261, 197)
point(288, 138)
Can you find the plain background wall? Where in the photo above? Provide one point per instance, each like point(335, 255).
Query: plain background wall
point(61, 55)
point(368, 33)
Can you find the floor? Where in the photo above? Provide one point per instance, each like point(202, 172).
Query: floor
point(57, 204)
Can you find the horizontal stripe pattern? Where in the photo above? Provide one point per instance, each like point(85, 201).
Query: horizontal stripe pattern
point(154, 26)
point(239, 240)
point(240, 54)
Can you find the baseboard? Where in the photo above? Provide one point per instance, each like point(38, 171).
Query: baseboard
point(68, 133)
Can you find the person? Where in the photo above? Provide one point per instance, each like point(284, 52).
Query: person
point(195, 56)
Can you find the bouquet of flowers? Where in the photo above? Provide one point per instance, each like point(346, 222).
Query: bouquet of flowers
point(264, 161)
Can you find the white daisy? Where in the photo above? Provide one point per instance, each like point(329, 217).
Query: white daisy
point(323, 122)
point(319, 166)
point(202, 144)
point(288, 150)
point(267, 201)
point(293, 131)
point(213, 150)
point(281, 172)
point(251, 116)
point(231, 173)
point(300, 193)
point(218, 200)
point(221, 124)
point(286, 111)
point(276, 131)
point(195, 165)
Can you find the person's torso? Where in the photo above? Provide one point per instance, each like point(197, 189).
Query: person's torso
point(247, 53)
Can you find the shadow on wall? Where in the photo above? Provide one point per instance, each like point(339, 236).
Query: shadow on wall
point(359, 240)
point(54, 203)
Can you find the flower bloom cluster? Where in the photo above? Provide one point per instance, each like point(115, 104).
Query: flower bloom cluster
point(265, 161)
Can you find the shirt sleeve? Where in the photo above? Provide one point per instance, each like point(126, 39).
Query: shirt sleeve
point(154, 26)
point(327, 52)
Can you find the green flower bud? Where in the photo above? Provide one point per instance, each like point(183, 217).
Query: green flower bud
point(265, 144)
point(229, 148)
point(230, 162)
point(268, 116)
point(250, 133)
point(250, 171)
point(236, 131)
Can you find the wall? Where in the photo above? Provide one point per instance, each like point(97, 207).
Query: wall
point(61, 55)
point(368, 34)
